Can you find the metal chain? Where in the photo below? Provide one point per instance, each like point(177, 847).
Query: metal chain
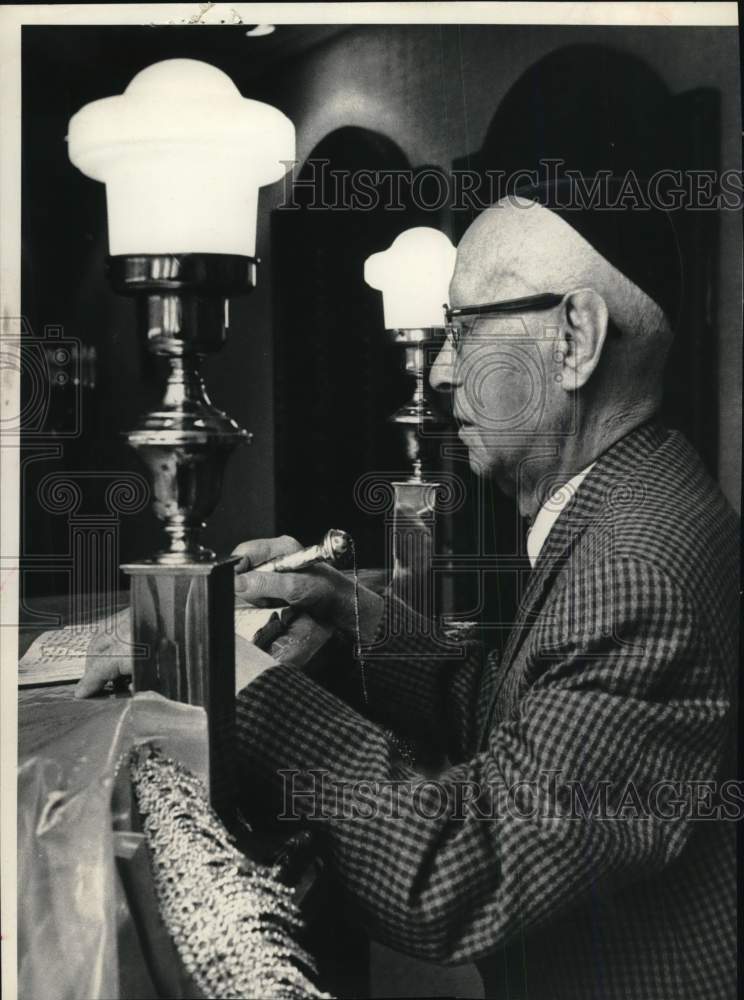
point(357, 626)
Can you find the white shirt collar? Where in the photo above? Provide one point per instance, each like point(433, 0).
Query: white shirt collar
point(549, 512)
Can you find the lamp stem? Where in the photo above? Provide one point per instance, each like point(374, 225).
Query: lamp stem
point(186, 440)
point(416, 416)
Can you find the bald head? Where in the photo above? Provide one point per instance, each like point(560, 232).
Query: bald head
point(518, 248)
point(539, 394)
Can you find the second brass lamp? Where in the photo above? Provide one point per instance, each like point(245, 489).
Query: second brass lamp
point(413, 275)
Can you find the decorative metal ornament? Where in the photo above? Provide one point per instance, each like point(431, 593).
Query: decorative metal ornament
point(233, 923)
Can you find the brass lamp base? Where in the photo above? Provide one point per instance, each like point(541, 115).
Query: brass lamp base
point(183, 598)
point(186, 441)
point(416, 416)
point(414, 520)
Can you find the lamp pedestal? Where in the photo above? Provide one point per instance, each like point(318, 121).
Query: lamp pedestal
point(414, 523)
point(414, 515)
point(183, 617)
point(183, 598)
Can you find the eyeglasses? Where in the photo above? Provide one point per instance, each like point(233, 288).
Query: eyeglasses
point(509, 307)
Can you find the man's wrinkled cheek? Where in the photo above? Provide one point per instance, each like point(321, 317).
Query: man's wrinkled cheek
point(503, 402)
point(504, 389)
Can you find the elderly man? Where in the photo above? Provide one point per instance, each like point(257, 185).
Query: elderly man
point(563, 846)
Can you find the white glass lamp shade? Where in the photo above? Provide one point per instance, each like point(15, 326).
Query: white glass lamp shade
point(182, 155)
point(413, 275)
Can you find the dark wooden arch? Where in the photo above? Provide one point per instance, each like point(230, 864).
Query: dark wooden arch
point(337, 377)
point(597, 108)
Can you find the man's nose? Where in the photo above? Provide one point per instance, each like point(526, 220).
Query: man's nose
point(443, 372)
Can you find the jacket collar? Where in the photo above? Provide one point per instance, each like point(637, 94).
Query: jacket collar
point(608, 485)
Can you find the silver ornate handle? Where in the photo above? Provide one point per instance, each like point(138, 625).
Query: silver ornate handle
point(335, 544)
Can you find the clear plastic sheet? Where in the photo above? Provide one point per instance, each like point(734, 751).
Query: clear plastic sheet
point(67, 900)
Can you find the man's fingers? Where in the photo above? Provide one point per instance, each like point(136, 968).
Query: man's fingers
point(260, 550)
point(253, 587)
point(108, 658)
point(97, 674)
point(299, 589)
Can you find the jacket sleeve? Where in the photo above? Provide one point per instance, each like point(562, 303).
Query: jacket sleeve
point(625, 694)
point(421, 684)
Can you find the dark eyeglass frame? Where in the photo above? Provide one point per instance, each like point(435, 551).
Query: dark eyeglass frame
point(529, 303)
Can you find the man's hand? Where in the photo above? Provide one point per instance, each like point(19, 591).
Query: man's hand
point(321, 590)
point(109, 657)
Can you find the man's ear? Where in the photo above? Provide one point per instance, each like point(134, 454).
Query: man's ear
point(584, 327)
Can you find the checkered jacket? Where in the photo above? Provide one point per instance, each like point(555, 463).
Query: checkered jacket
point(618, 679)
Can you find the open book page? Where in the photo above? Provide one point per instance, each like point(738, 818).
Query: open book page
point(58, 656)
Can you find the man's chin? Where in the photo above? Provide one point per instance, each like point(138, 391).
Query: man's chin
point(489, 467)
point(478, 465)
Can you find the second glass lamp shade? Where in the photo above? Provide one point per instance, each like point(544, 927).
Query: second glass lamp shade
point(182, 155)
point(413, 275)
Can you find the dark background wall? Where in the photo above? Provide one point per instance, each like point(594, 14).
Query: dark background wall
point(429, 92)
point(434, 90)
